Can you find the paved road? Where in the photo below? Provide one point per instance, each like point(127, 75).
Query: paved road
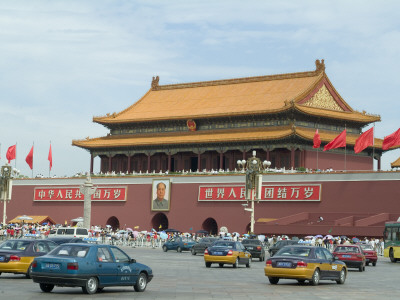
point(184, 276)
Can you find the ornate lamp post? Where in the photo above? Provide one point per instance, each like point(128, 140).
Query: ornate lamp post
point(253, 168)
point(7, 173)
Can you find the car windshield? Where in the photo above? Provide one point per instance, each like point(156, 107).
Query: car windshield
point(294, 251)
point(14, 245)
point(366, 247)
point(251, 242)
point(230, 245)
point(70, 250)
point(347, 249)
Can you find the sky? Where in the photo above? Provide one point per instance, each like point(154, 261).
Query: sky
point(64, 62)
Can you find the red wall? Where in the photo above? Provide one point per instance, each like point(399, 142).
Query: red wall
point(371, 193)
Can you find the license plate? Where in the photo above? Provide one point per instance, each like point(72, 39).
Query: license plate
point(218, 253)
point(2, 258)
point(250, 248)
point(346, 256)
point(52, 266)
point(284, 264)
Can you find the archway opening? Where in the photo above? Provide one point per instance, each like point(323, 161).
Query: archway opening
point(113, 222)
point(211, 226)
point(160, 222)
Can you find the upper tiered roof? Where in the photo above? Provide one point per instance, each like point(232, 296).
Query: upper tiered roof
point(308, 92)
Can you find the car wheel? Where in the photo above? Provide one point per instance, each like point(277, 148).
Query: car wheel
point(221, 265)
point(28, 273)
point(179, 249)
point(249, 263)
point(315, 278)
point(273, 280)
point(91, 286)
point(193, 251)
point(373, 263)
point(164, 248)
point(208, 264)
point(235, 265)
point(342, 276)
point(100, 289)
point(141, 283)
point(47, 288)
point(391, 255)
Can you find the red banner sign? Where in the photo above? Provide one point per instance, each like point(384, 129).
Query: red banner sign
point(310, 192)
point(73, 193)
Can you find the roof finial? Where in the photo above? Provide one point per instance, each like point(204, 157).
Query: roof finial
point(154, 83)
point(320, 65)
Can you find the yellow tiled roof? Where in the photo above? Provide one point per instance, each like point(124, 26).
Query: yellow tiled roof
point(233, 97)
point(236, 135)
point(186, 137)
point(396, 163)
point(35, 219)
point(342, 115)
point(326, 136)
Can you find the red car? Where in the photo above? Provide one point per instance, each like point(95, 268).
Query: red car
point(352, 255)
point(370, 253)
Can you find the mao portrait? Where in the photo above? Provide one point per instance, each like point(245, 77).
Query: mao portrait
point(161, 195)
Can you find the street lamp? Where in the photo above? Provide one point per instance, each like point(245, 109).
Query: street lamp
point(253, 168)
point(7, 173)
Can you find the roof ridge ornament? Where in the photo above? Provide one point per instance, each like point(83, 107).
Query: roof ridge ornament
point(320, 65)
point(154, 83)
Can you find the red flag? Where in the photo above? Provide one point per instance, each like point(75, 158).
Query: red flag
point(50, 158)
point(337, 142)
point(391, 140)
point(11, 153)
point(317, 140)
point(364, 140)
point(29, 158)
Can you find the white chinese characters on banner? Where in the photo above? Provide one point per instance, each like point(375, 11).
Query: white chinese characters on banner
point(310, 192)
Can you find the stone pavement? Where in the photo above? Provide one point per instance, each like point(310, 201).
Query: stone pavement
point(184, 276)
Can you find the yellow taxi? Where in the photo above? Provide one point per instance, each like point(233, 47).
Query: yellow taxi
point(227, 252)
point(305, 263)
point(16, 255)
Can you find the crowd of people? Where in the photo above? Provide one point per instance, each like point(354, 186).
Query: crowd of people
point(154, 239)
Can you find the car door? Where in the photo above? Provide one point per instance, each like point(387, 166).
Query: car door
point(333, 269)
point(106, 267)
point(322, 263)
point(127, 272)
point(243, 254)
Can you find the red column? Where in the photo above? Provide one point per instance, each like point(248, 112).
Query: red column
point(221, 157)
point(268, 154)
point(199, 162)
point(169, 162)
point(244, 155)
point(109, 163)
point(292, 158)
point(148, 162)
point(379, 164)
point(91, 163)
point(129, 163)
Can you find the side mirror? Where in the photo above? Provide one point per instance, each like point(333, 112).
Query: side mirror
point(133, 261)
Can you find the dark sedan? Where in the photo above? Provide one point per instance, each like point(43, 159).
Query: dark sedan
point(16, 256)
point(89, 266)
point(280, 244)
point(202, 245)
point(255, 247)
point(305, 263)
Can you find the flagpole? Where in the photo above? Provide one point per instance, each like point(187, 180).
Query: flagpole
point(373, 148)
point(345, 147)
point(49, 161)
point(15, 162)
point(33, 144)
